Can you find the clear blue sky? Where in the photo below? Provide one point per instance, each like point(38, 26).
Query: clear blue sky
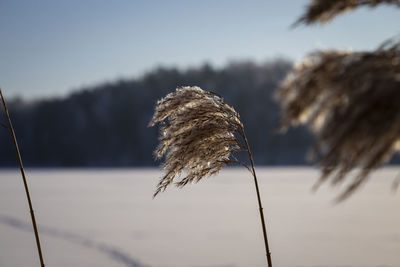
point(48, 48)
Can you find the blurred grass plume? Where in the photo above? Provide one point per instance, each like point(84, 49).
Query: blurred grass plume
point(323, 11)
point(351, 102)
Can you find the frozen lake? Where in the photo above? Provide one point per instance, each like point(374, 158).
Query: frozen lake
point(107, 218)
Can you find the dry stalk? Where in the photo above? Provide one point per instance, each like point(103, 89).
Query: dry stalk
point(198, 135)
point(11, 128)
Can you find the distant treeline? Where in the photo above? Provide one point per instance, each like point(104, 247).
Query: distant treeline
point(106, 125)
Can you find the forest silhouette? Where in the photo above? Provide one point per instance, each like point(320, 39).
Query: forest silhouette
point(106, 125)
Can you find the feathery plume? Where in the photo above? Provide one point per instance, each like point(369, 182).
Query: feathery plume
point(351, 102)
point(199, 134)
point(325, 10)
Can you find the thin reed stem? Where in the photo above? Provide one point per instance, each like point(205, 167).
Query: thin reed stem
point(11, 128)
point(267, 251)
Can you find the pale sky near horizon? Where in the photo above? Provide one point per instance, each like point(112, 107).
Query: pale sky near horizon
point(48, 48)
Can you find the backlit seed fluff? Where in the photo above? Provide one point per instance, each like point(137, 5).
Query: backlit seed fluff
point(197, 135)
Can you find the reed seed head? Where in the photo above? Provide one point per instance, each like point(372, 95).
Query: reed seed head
point(323, 11)
point(351, 102)
point(197, 135)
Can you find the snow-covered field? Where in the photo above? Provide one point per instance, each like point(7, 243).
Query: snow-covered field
point(108, 218)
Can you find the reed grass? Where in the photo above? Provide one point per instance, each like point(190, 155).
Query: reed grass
point(323, 11)
point(11, 128)
point(351, 102)
point(199, 133)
